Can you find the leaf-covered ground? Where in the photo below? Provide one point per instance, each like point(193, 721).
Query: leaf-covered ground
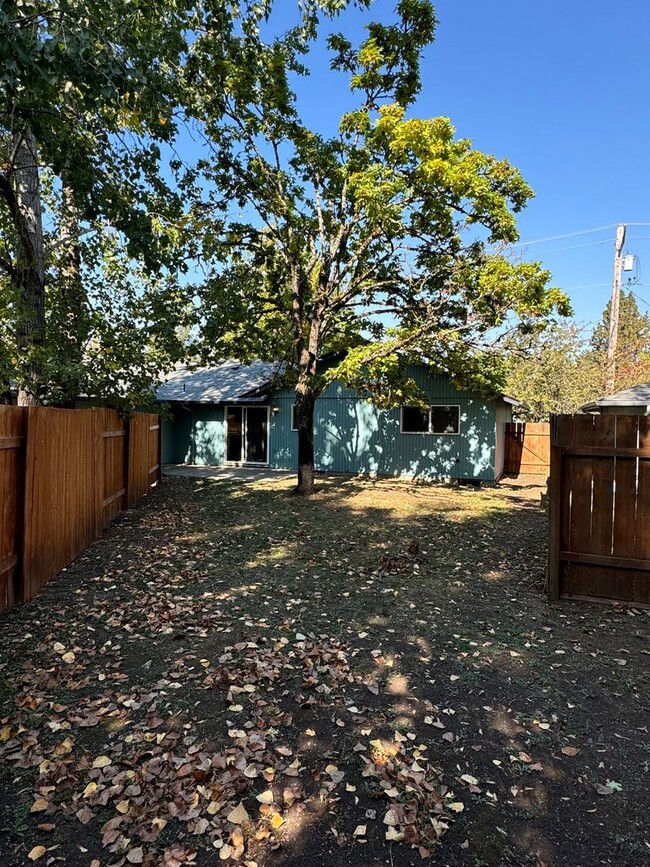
point(232, 675)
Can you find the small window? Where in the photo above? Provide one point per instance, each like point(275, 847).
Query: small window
point(414, 420)
point(439, 419)
point(294, 425)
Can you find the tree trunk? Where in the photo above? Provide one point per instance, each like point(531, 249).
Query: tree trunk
point(72, 296)
point(29, 275)
point(305, 401)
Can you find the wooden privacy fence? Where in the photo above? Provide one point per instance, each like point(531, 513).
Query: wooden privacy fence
point(599, 508)
point(64, 475)
point(528, 448)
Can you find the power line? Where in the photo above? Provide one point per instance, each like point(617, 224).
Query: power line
point(573, 234)
point(574, 247)
point(586, 286)
point(567, 235)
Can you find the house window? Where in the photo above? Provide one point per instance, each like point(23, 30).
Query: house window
point(294, 425)
point(438, 419)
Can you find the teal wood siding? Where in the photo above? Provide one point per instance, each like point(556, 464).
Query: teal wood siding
point(354, 436)
point(195, 436)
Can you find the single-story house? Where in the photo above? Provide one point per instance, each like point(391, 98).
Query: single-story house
point(234, 414)
point(630, 401)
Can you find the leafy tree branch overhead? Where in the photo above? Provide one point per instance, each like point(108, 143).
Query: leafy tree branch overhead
point(377, 242)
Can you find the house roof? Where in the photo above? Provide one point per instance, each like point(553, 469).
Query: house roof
point(229, 382)
point(638, 395)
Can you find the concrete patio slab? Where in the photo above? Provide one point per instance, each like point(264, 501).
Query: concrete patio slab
point(235, 474)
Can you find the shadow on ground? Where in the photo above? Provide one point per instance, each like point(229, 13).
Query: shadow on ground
point(380, 656)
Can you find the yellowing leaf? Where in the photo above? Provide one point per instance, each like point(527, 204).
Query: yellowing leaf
point(310, 733)
point(90, 789)
point(225, 852)
point(251, 772)
point(68, 657)
point(39, 805)
point(122, 807)
point(360, 831)
point(457, 806)
point(102, 762)
point(238, 816)
point(36, 853)
point(5, 734)
point(276, 821)
point(394, 835)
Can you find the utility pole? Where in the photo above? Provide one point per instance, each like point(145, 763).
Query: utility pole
point(615, 305)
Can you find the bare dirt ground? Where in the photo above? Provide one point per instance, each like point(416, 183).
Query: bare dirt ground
point(232, 675)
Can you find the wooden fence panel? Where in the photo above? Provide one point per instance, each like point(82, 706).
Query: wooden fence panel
point(599, 534)
point(528, 448)
point(12, 455)
point(64, 475)
point(144, 454)
point(63, 491)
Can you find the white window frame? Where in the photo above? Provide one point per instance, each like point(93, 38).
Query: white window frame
point(429, 432)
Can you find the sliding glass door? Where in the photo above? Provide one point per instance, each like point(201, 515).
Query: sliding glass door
point(247, 434)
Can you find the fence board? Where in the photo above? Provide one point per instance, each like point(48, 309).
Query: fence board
point(12, 443)
point(599, 533)
point(144, 464)
point(527, 448)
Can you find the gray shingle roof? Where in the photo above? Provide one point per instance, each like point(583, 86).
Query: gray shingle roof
point(229, 381)
point(638, 395)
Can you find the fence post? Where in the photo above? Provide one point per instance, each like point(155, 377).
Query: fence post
point(160, 465)
point(554, 516)
point(126, 466)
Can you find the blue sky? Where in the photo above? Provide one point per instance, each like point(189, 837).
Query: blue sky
point(561, 90)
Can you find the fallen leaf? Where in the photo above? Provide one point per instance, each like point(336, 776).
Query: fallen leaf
point(457, 806)
point(102, 762)
point(239, 816)
point(68, 657)
point(469, 779)
point(135, 856)
point(391, 817)
point(263, 798)
point(39, 805)
point(36, 853)
point(394, 835)
point(360, 831)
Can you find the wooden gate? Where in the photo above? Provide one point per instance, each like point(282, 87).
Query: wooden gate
point(528, 448)
point(599, 508)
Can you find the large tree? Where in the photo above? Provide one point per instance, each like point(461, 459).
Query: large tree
point(554, 371)
point(87, 93)
point(371, 245)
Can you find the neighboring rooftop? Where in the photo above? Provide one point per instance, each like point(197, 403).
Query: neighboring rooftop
point(638, 395)
point(227, 382)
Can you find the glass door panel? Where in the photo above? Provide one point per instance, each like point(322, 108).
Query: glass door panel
point(234, 434)
point(256, 435)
